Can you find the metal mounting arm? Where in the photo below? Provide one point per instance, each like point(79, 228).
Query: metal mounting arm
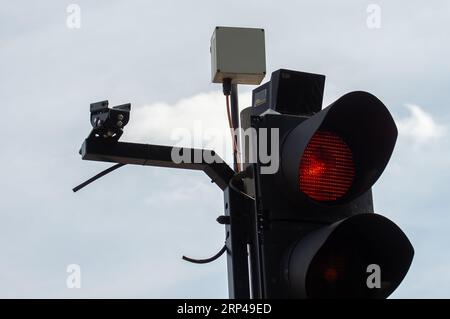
point(158, 155)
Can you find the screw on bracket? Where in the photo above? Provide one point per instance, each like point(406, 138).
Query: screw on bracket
point(223, 220)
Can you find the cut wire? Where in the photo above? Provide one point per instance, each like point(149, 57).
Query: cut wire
point(237, 177)
point(211, 259)
point(101, 174)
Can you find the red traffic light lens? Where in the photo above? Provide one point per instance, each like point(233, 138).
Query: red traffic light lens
point(326, 169)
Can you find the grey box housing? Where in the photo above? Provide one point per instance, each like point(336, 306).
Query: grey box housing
point(239, 54)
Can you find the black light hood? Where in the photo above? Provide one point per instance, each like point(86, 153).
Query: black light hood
point(366, 126)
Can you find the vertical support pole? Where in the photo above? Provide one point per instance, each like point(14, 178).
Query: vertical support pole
point(243, 259)
point(237, 231)
point(237, 208)
point(235, 121)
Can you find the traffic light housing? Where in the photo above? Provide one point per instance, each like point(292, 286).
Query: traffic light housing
point(333, 261)
point(317, 233)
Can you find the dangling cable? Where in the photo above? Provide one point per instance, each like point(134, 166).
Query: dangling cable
point(207, 260)
point(233, 136)
point(227, 91)
point(211, 259)
point(93, 179)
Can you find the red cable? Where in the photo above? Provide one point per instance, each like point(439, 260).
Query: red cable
point(235, 148)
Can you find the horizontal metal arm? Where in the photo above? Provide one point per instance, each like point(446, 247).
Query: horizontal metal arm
point(158, 155)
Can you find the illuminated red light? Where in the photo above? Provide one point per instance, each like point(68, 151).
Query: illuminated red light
point(331, 275)
point(326, 170)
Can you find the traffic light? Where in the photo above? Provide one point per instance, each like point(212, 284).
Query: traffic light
point(317, 233)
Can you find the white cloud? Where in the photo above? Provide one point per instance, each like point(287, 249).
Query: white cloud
point(420, 125)
point(196, 121)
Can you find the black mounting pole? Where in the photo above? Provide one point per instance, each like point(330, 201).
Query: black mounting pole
point(235, 121)
point(243, 256)
point(237, 208)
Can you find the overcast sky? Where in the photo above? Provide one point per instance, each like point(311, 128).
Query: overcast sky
point(129, 230)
